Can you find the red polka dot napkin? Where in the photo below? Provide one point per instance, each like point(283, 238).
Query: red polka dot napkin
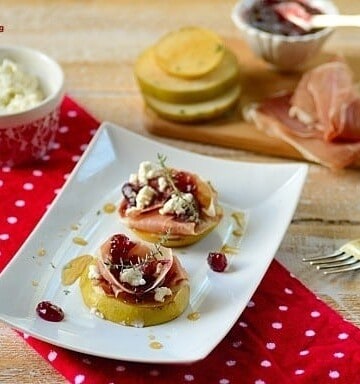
point(285, 335)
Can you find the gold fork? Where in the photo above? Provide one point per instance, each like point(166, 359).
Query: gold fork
point(346, 258)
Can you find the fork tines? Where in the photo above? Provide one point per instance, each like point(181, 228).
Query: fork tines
point(334, 263)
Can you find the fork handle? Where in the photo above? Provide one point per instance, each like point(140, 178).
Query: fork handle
point(352, 248)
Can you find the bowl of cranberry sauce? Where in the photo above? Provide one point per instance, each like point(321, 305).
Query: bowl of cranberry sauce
point(277, 40)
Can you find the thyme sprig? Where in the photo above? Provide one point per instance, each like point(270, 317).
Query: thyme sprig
point(167, 173)
point(190, 206)
point(121, 265)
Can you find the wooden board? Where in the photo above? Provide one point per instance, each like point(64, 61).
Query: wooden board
point(257, 80)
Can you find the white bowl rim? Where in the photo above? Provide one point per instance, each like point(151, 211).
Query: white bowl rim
point(242, 24)
point(57, 94)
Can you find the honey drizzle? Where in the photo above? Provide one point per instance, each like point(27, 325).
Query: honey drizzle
point(156, 345)
point(239, 218)
point(237, 232)
point(41, 252)
point(228, 249)
point(79, 240)
point(193, 316)
point(109, 208)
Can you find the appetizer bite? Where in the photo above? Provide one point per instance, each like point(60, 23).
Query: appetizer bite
point(159, 200)
point(135, 283)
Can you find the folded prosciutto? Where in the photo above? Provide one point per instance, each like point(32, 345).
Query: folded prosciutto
point(321, 118)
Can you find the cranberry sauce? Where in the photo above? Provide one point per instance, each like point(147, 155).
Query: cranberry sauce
point(120, 246)
point(49, 312)
point(184, 182)
point(262, 15)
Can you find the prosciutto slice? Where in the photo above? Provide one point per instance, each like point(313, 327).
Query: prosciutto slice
point(321, 118)
point(322, 95)
point(162, 262)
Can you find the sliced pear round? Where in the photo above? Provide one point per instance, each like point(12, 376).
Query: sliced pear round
point(156, 82)
point(196, 111)
point(134, 314)
point(189, 52)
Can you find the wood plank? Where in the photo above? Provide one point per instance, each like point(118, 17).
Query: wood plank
point(258, 80)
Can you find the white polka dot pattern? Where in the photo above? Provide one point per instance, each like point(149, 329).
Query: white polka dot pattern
point(284, 331)
point(79, 379)
point(52, 356)
point(270, 346)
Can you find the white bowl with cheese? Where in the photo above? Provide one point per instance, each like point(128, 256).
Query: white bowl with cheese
point(31, 91)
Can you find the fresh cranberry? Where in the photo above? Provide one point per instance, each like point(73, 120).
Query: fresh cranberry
point(184, 182)
point(49, 312)
point(217, 261)
point(120, 246)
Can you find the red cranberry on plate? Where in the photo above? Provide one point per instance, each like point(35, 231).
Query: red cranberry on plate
point(49, 312)
point(217, 261)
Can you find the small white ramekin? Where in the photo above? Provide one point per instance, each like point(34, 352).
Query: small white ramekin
point(284, 52)
point(28, 135)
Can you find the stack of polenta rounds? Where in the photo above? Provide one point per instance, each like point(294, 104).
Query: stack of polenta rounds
point(189, 76)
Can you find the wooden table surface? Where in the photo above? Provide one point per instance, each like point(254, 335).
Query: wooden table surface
point(96, 43)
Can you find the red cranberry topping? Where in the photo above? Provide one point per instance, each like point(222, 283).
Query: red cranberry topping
point(120, 246)
point(49, 312)
point(217, 261)
point(184, 182)
point(148, 269)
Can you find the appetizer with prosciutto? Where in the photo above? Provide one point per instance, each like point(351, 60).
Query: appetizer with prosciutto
point(321, 118)
point(135, 283)
point(158, 201)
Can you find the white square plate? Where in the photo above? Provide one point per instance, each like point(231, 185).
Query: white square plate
point(267, 193)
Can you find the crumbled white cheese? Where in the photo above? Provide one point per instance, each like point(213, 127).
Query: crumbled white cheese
point(94, 273)
point(162, 183)
point(19, 91)
point(161, 292)
point(144, 197)
point(147, 171)
point(133, 178)
point(132, 276)
point(177, 204)
point(96, 312)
